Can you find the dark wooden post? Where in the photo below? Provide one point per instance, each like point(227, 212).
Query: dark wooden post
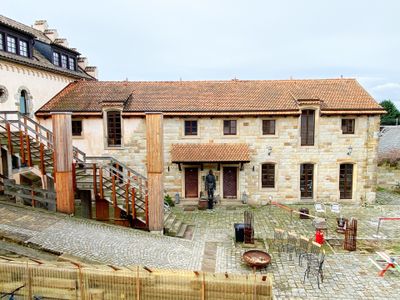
point(62, 130)
point(86, 202)
point(155, 167)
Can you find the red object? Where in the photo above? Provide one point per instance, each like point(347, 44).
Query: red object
point(319, 236)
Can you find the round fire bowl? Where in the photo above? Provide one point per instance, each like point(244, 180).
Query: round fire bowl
point(257, 258)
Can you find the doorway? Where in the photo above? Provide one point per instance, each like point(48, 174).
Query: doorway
point(230, 182)
point(191, 182)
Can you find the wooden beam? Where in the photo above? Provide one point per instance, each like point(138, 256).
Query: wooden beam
point(133, 203)
point(21, 145)
point(42, 164)
point(63, 159)
point(154, 194)
point(9, 141)
point(127, 198)
point(101, 183)
point(94, 167)
point(28, 149)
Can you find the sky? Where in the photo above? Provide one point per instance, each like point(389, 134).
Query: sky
point(222, 40)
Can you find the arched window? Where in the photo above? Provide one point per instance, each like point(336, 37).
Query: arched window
point(114, 132)
point(23, 103)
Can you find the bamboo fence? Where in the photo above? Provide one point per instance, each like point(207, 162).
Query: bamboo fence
point(65, 280)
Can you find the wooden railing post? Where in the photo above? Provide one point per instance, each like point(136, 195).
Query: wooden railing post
point(21, 145)
point(127, 198)
point(28, 148)
point(133, 203)
point(101, 183)
point(9, 141)
point(94, 180)
point(73, 174)
point(42, 164)
point(37, 132)
point(114, 192)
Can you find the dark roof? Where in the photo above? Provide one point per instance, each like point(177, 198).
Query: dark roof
point(25, 29)
point(40, 62)
point(208, 97)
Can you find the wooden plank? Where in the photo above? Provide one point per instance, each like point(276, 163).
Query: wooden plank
point(9, 141)
point(63, 141)
point(114, 194)
point(127, 198)
point(65, 192)
point(133, 194)
point(42, 164)
point(101, 182)
point(94, 179)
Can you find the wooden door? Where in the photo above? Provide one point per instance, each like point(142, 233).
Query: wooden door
point(191, 182)
point(230, 182)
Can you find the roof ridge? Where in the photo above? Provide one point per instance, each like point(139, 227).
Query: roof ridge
point(224, 80)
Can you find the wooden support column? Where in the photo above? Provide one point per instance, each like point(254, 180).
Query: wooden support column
point(155, 168)
point(62, 130)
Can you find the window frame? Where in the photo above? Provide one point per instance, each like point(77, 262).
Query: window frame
point(26, 48)
point(23, 98)
point(71, 59)
point(343, 179)
point(272, 172)
point(64, 66)
point(346, 129)
point(263, 127)
point(307, 127)
point(11, 37)
point(229, 127)
point(116, 136)
point(307, 193)
point(81, 127)
point(2, 43)
point(191, 132)
point(58, 64)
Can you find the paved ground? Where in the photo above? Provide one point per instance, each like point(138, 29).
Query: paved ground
point(347, 275)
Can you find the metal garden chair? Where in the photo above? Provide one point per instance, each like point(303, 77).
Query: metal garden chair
point(291, 244)
point(315, 267)
point(303, 249)
point(279, 240)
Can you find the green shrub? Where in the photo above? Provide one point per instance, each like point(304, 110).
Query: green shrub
point(168, 200)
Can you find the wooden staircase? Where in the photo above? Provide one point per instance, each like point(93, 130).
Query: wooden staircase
point(108, 179)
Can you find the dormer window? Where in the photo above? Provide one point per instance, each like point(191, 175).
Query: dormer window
point(71, 62)
point(1, 41)
point(56, 58)
point(23, 48)
point(63, 61)
point(11, 44)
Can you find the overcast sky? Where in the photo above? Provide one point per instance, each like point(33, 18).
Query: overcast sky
point(223, 39)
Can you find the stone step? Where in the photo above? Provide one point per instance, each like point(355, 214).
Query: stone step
point(182, 230)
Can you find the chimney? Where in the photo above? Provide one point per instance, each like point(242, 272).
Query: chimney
point(62, 42)
point(82, 62)
point(40, 25)
point(52, 34)
point(92, 71)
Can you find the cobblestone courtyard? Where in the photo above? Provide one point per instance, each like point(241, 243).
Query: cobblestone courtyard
point(348, 275)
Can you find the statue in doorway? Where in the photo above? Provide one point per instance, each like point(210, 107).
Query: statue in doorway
point(210, 188)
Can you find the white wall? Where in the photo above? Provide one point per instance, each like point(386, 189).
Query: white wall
point(40, 85)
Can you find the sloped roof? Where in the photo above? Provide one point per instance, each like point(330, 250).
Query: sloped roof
point(25, 29)
point(40, 62)
point(210, 153)
point(207, 97)
point(389, 140)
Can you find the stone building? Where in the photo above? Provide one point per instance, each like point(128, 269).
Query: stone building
point(292, 140)
point(35, 64)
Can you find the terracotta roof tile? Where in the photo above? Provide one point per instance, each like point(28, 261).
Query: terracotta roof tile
point(215, 96)
point(210, 153)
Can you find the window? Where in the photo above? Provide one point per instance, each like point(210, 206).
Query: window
point(306, 180)
point(268, 127)
point(76, 127)
point(56, 58)
point(23, 103)
point(229, 127)
point(114, 135)
point(11, 44)
point(1, 41)
point(307, 127)
point(191, 127)
point(23, 48)
point(71, 62)
point(348, 126)
point(63, 61)
point(268, 175)
point(346, 181)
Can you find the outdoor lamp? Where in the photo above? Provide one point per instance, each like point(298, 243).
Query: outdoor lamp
point(349, 150)
point(269, 150)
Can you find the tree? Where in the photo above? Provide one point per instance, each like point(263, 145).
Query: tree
point(392, 115)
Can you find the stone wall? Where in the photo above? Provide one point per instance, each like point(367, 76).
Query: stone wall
point(389, 177)
point(331, 149)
